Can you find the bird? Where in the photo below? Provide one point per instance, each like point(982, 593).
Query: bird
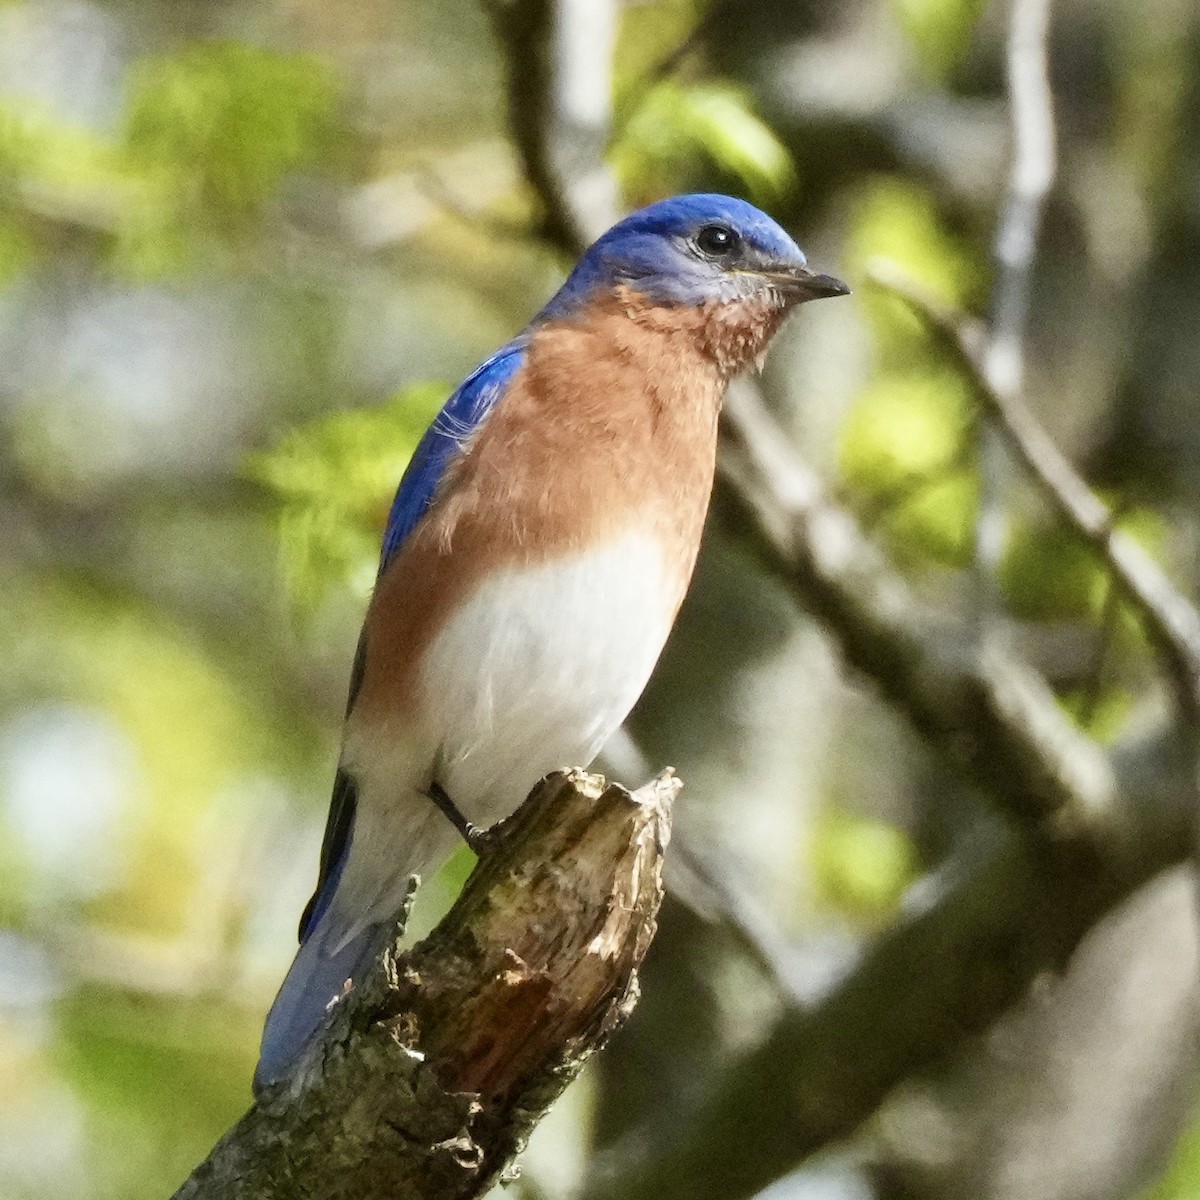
point(535, 557)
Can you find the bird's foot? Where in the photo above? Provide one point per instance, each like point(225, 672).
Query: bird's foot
point(478, 838)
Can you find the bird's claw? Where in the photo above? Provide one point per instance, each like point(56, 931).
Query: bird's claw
point(478, 838)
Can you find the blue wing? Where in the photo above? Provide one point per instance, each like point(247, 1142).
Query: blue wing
point(460, 417)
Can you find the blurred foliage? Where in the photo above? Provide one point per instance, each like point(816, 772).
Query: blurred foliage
point(908, 445)
point(940, 29)
point(192, 729)
point(1181, 1180)
point(650, 36)
point(44, 162)
point(897, 221)
point(208, 135)
point(680, 133)
point(335, 479)
point(225, 122)
point(862, 866)
point(213, 131)
point(908, 449)
point(1048, 574)
point(117, 1048)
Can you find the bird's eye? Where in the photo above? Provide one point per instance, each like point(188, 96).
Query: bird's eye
point(717, 241)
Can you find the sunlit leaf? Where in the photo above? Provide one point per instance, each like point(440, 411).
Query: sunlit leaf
point(908, 453)
point(49, 169)
point(896, 221)
point(211, 133)
point(1050, 573)
point(648, 34)
point(1181, 1179)
point(17, 250)
point(1103, 715)
point(678, 129)
point(335, 479)
point(936, 524)
point(904, 426)
point(939, 29)
point(862, 865)
point(228, 120)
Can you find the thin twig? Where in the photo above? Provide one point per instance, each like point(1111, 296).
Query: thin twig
point(1172, 622)
point(1031, 107)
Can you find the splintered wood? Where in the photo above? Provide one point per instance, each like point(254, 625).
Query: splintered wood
point(429, 1078)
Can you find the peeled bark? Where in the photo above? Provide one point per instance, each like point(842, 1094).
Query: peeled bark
point(431, 1074)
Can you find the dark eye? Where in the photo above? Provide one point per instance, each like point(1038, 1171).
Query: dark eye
point(718, 241)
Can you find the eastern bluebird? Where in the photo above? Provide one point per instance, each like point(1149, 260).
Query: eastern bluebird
point(536, 555)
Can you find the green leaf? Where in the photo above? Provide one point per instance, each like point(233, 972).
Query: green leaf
point(862, 865)
point(649, 35)
point(680, 130)
point(1102, 716)
point(897, 221)
point(1050, 573)
point(211, 133)
point(907, 451)
point(904, 427)
point(229, 120)
point(1181, 1179)
point(335, 479)
point(939, 29)
point(63, 171)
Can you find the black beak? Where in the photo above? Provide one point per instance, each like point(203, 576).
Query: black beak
point(803, 284)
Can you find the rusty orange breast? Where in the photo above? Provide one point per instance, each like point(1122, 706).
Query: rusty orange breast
point(610, 427)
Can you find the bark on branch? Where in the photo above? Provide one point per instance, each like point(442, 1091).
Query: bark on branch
point(1171, 620)
point(430, 1076)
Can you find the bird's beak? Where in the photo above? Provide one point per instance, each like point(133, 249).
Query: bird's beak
point(800, 284)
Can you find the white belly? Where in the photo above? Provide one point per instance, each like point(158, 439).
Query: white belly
point(540, 666)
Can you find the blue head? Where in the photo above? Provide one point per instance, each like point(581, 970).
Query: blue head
point(692, 251)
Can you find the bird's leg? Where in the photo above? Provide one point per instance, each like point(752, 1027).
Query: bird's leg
point(475, 837)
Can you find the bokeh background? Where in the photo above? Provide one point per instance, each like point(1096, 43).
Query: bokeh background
point(245, 249)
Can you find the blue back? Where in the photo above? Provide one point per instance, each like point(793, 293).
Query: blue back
point(460, 417)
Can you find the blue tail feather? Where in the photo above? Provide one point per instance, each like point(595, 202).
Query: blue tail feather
point(316, 978)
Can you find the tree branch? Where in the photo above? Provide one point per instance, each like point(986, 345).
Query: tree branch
point(1172, 622)
point(970, 941)
point(990, 716)
point(430, 1076)
point(1089, 829)
point(560, 70)
point(1031, 108)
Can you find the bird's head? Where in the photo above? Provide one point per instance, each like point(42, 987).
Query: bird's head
point(714, 264)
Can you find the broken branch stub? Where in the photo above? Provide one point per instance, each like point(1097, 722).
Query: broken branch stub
point(430, 1076)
